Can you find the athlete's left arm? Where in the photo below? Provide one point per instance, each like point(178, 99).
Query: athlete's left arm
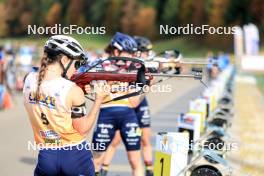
point(136, 100)
point(81, 121)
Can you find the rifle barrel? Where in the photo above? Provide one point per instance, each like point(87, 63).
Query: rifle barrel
point(194, 62)
point(172, 75)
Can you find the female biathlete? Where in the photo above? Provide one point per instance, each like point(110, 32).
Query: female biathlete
point(119, 116)
point(56, 109)
point(143, 116)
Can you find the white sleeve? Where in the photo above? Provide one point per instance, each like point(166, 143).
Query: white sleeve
point(27, 81)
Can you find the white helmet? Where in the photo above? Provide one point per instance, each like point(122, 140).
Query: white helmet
point(58, 44)
point(64, 44)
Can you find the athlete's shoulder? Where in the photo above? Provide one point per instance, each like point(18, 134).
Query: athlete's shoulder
point(30, 77)
point(30, 80)
point(76, 95)
point(33, 72)
point(67, 81)
point(77, 91)
point(67, 86)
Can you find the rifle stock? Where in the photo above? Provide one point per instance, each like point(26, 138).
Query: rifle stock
point(83, 79)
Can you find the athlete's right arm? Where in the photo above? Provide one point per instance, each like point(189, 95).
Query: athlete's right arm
point(83, 123)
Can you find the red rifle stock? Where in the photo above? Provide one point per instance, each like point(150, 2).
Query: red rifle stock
point(83, 79)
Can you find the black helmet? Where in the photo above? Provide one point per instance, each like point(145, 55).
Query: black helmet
point(143, 43)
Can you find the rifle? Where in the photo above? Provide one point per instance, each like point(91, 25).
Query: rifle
point(136, 73)
point(83, 79)
point(168, 60)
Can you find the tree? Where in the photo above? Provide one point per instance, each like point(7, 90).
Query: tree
point(217, 18)
point(145, 22)
point(98, 12)
point(170, 12)
point(198, 15)
point(3, 25)
point(237, 12)
point(217, 13)
point(186, 13)
point(25, 19)
point(74, 13)
point(112, 16)
point(14, 8)
point(54, 14)
point(256, 11)
point(160, 7)
point(129, 12)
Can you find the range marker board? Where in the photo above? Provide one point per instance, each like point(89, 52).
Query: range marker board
point(171, 153)
point(191, 123)
point(199, 106)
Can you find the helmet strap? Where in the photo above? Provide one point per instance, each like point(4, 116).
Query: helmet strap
point(64, 73)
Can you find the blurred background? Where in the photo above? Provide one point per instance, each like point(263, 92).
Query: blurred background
point(19, 51)
point(133, 17)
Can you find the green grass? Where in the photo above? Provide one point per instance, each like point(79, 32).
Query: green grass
point(188, 47)
point(260, 79)
point(93, 41)
point(262, 49)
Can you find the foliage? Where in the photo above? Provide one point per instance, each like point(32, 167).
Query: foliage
point(130, 16)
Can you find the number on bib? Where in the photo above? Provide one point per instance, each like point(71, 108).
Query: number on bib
point(44, 119)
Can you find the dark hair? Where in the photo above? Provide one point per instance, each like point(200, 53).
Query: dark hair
point(109, 49)
point(45, 61)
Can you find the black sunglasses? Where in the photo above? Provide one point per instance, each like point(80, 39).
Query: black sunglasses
point(78, 64)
